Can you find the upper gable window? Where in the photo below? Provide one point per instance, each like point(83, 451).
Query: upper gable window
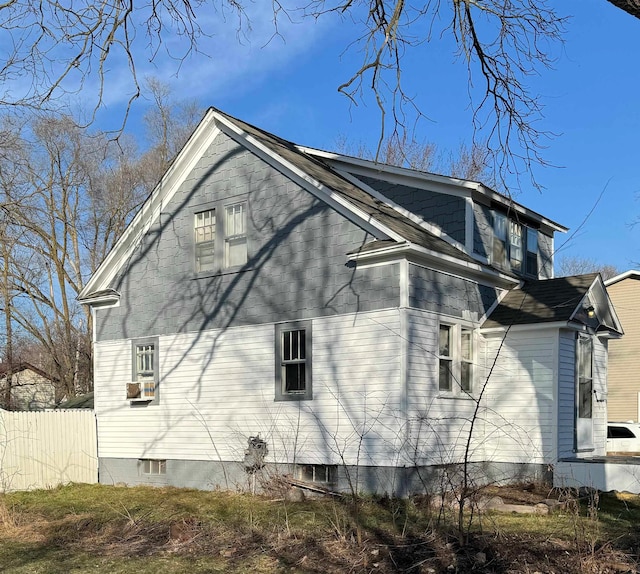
point(531, 267)
point(499, 238)
point(235, 235)
point(220, 237)
point(205, 238)
point(515, 246)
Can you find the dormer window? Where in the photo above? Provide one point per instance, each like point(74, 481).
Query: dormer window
point(515, 246)
point(532, 252)
point(499, 239)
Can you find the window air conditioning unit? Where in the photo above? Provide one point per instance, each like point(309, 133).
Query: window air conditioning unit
point(141, 391)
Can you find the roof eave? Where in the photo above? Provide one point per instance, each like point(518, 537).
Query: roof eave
point(622, 276)
point(468, 185)
point(423, 255)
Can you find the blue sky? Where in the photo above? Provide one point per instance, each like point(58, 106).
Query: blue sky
point(591, 100)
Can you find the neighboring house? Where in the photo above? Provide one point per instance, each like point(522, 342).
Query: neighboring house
point(27, 389)
point(325, 315)
point(624, 355)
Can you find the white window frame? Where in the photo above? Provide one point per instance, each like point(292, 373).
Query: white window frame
point(236, 237)
point(585, 378)
point(516, 245)
point(499, 253)
point(455, 361)
point(153, 466)
point(205, 240)
point(145, 377)
point(511, 245)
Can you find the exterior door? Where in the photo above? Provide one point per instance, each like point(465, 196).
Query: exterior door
point(584, 393)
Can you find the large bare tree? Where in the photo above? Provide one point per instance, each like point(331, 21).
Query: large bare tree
point(52, 47)
point(66, 196)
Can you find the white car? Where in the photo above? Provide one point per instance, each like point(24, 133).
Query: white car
point(623, 438)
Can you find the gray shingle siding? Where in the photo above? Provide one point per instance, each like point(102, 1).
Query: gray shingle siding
point(441, 293)
point(297, 258)
point(482, 230)
point(445, 211)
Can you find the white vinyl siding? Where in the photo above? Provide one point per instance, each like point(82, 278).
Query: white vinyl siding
point(566, 393)
point(519, 416)
point(567, 396)
point(438, 423)
point(217, 390)
point(600, 359)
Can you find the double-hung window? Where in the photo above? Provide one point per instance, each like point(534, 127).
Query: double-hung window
point(455, 359)
point(515, 245)
point(499, 238)
point(235, 235)
point(205, 239)
point(144, 357)
point(293, 361)
point(220, 237)
point(531, 264)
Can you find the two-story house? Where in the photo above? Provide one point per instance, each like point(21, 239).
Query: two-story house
point(372, 325)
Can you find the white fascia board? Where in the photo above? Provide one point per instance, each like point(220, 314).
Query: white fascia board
point(625, 275)
point(103, 301)
point(191, 153)
point(439, 262)
point(510, 204)
point(325, 194)
point(604, 296)
point(430, 227)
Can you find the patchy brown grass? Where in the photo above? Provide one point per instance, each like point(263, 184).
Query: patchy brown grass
point(97, 529)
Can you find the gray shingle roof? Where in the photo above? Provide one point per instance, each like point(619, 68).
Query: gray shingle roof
point(543, 301)
point(327, 176)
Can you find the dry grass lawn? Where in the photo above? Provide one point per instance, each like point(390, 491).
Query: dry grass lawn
point(94, 528)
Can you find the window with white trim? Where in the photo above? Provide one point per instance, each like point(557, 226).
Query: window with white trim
point(235, 235)
point(499, 239)
point(456, 352)
point(515, 245)
point(585, 377)
point(144, 359)
point(293, 361)
point(153, 466)
point(205, 239)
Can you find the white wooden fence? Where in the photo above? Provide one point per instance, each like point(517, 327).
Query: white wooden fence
point(47, 448)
